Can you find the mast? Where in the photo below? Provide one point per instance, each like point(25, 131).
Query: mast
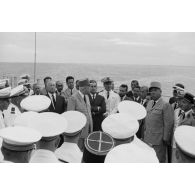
point(35, 56)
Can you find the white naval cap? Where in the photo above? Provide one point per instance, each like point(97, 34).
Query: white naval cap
point(17, 91)
point(134, 152)
point(36, 103)
point(25, 76)
point(76, 121)
point(22, 81)
point(19, 138)
point(134, 109)
point(185, 139)
point(120, 125)
point(49, 124)
point(25, 119)
point(3, 83)
point(5, 93)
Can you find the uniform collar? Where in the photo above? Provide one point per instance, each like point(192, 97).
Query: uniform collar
point(42, 155)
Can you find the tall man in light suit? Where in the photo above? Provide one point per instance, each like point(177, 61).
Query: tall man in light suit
point(80, 102)
point(158, 122)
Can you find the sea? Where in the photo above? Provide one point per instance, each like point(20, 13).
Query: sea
point(121, 74)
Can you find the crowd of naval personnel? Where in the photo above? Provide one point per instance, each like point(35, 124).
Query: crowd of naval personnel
point(80, 124)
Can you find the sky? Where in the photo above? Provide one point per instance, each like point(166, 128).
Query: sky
point(142, 48)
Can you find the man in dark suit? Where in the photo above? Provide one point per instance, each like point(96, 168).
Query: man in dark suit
point(123, 89)
point(98, 106)
point(57, 102)
point(143, 94)
point(45, 80)
point(134, 83)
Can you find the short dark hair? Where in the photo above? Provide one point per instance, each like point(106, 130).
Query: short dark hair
point(46, 78)
point(124, 86)
point(20, 155)
point(93, 81)
point(135, 81)
point(69, 77)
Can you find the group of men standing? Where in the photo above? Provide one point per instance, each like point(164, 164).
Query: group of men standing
point(156, 129)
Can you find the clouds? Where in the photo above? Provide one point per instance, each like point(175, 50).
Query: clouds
point(111, 48)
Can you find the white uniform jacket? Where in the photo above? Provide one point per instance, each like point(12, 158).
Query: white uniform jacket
point(69, 152)
point(43, 156)
point(112, 102)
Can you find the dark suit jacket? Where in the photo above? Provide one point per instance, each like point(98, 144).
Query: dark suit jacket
point(130, 96)
point(60, 106)
point(172, 100)
point(98, 108)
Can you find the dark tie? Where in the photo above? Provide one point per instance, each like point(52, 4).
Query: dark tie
point(71, 91)
point(54, 101)
point(153, 104)
point(84, 99)
point(182, 114)
point(175, 106)
point(108, 94)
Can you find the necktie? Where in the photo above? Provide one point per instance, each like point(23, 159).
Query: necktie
point(54, 101)
point(108, 94)
point(175, 106)
point(71, 91)
point(93, 97)
point(181, 114)
point(154, 104)
point(84, 99)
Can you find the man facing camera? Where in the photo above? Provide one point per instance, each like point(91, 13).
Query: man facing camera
point(57, 102)
point(80, 102)
point(98, 106)
point(112, 99)
point(158, 122)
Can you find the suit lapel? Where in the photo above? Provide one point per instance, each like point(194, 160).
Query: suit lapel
point(187, 117)
point(157, 104)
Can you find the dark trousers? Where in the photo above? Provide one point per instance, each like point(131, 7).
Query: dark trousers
point(161, 152)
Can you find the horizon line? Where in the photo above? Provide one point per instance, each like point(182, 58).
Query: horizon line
point(93, 63)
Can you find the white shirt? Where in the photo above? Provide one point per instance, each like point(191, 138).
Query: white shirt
point(9, 117)
point(112, 102)
point(69, 152)
point(43, 156)
point(93, 95)
point(50, 95)
point(2, 122)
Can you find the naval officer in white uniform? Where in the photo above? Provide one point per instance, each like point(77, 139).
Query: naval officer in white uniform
point(112, 99)
point(18, 143)
point(4, 103)
point(69, 151)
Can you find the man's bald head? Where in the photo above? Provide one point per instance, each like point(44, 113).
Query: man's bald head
point(144, 91)
point(51, 86)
